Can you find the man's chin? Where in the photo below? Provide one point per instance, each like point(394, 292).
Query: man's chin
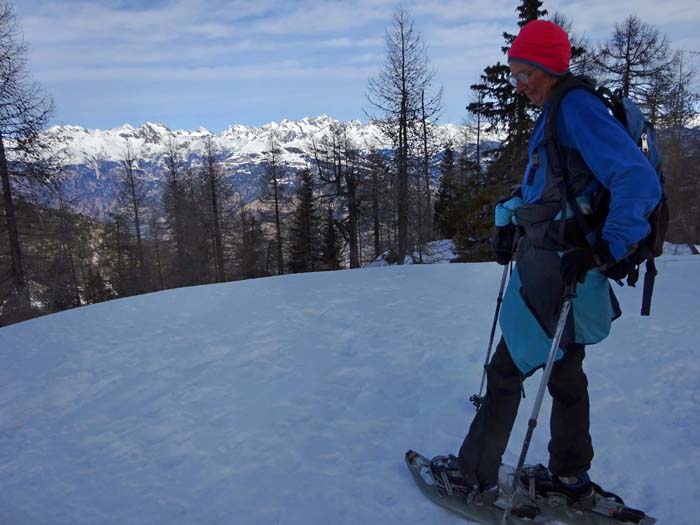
point(535, 99)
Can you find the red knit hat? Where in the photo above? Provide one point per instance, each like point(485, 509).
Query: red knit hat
point(543, 44)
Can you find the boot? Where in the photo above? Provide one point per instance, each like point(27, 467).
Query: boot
point(445, 471)
point(578, 490)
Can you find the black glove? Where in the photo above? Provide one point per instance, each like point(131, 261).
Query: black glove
point(502, 243)
point(577, 262)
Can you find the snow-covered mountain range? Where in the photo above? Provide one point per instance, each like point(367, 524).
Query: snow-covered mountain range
point(150, 140)
point(93, 156)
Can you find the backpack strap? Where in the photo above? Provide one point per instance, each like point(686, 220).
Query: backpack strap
point(609, 98)
point(558, 172)
point(616, 105)
point(649, 278)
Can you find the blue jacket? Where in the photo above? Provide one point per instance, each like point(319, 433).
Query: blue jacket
point(584, 125)
point(605, 155)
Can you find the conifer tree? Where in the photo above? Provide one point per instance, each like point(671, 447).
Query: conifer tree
point(476, 119)
point(95, 288)
point(505, 111)
point(511, 115)
point(199, 245)
point(54, 249)
point(61, 291)
point(118, 256)
point(251, 243)
point(68, 240)
point(332, 243)
point(378, 194)
point(302, 235)
point(447, 195)
point(156, 245)
point(341, 170)
point(681, 151)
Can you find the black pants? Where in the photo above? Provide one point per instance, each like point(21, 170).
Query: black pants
point(570, 449)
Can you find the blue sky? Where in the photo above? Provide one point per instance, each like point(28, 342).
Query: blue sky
point(213, 63)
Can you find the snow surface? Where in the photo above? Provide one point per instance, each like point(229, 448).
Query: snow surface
point(291, 400)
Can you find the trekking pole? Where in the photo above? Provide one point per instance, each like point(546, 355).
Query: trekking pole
point(569, 294)
point(478, 399)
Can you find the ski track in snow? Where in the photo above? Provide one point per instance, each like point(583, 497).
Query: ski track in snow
point(291, 400)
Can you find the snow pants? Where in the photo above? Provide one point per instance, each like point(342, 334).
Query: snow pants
point(570, 448)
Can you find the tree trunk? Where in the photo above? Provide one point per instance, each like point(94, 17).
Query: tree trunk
point(426, 167)
point(137, 226)
point(218, 244)
point(135, 201)
point(402, 193)
point(278, 227)
point(402, 204)
point(352, 219)
point(218, 240)
point(375, 216)
point(155, 228)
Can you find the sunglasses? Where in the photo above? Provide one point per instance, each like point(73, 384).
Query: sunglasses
point(522, 77)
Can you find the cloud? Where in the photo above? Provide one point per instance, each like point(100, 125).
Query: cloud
point(350, 42)
point(474, 10)
point(320, 17)
point(323, 51)
point(467, 36)
point(597, 18)
point(290, 69)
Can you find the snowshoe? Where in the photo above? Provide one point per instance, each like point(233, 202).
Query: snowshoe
point(579, 494)
point(441, 481)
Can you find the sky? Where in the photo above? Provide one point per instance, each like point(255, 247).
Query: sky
point(291, 400)
point(215, 63)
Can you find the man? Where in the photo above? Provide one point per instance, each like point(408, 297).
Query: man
point(552, 253)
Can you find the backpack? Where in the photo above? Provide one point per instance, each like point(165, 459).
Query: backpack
point(642, 132)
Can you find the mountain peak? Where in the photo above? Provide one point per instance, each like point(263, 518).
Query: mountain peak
point(150, 140)
point(155, 126)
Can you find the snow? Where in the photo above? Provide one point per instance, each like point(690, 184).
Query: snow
point(149, 141)
point(678, 249)
point(435, 252)
point(291, 400)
